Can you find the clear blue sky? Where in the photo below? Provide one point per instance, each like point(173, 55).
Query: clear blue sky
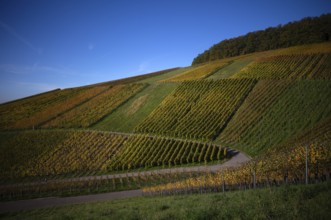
point(48, 44)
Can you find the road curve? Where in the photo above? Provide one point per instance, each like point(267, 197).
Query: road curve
point(237, 159)
point(14, 206)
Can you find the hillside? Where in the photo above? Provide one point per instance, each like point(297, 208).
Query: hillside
point(262, 103)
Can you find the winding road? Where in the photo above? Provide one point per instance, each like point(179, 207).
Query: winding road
point(237, 159)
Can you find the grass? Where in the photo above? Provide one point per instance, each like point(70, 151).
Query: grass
point(286, 202)
point(129, 115)
point(231, 69)
point(156, 79)
point(198, 72)
point(67, 188)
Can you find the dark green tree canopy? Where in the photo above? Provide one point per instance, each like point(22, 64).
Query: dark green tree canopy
point(306, 31)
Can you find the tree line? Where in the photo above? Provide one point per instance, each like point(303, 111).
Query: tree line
point(306, 31)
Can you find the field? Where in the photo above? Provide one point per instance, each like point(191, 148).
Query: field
point(271, 105)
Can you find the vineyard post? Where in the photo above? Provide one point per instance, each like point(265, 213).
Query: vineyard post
point(306, 164)
point(254, 174)
point(223, 181)
point(254, 179)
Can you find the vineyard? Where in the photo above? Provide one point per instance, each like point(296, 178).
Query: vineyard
point(197, 73)
point(51, 153)
point(90, 185)
point(146, 151)
point(303, 66)
point(197, 109)
point(13, 112)
point(68, 152)
point(133, 112)
point(228, 71)
point(58, 108)
point(271, 105)
point(95, 109)
point(272, 169)
point(286, 109)
point(264, 94)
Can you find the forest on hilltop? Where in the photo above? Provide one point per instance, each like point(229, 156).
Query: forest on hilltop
point(306, 31)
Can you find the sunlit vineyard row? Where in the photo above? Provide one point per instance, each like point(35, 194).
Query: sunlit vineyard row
point(290, 108)
point(57, 152)
point(58, 108)
point(146, 151)
point(197, 109)
point(15, 111)
point(284, 164)
point(303, 66)
point(91, 184)
point(285, 167)
point(199, 72)
point(43, 153)
point(95, 109)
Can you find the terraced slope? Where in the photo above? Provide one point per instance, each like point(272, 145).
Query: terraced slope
point(197, 109)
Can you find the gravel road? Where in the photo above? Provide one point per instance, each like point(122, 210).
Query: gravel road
point(14, 206)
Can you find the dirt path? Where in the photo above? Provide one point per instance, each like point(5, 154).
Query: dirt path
point(15, 206)
point(237, 159)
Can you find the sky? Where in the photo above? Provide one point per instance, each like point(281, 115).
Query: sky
point(49, 44)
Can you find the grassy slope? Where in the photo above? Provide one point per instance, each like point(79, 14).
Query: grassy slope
point(198, 72)
point(129, 115)
point(135, 79)
point(231, 69)
point(287, 202)
point(165, 76)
